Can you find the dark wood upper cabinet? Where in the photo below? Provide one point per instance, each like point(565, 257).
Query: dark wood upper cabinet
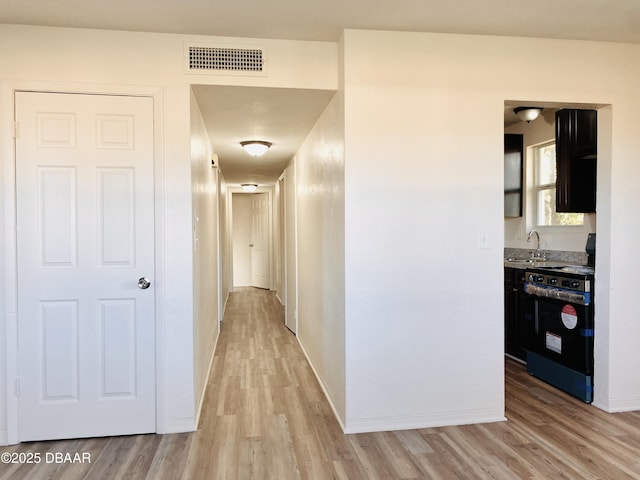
point(576, 155)
point(513, 174)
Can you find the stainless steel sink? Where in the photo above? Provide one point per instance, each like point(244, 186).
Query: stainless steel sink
point(535, 262)
point(525, 260)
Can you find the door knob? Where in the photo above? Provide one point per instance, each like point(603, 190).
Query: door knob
point(144, 283)
point(251, 245)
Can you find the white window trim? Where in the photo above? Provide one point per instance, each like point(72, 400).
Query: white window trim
point(538, 188)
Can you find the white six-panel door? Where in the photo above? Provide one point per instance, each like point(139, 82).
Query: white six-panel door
point(85, 234)
point(260, 240)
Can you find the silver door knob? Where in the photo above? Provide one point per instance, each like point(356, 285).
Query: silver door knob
point(144, 283)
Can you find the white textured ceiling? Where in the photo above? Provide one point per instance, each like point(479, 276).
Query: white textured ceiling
point(608, 20)
point(284, 117)
point(278, 115)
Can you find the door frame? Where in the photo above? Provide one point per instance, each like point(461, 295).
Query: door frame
point(231, 189)
point(258, 280)
point(9, 257)
point(290, 260)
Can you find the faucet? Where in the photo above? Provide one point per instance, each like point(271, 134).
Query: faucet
point(537, 253)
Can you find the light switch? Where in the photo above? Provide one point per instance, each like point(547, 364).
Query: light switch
point(483, 239)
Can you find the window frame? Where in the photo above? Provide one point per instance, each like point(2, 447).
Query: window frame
point(538, 188)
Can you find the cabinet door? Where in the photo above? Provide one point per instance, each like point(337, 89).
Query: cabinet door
point(510, 324)
point(513, 174)
point(527, 330)
point(586, 133)
point(576, 153)
point(519, 301)
point(513, 287)
point(563, 159)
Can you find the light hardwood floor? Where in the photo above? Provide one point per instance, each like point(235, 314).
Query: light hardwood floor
point(265, 417)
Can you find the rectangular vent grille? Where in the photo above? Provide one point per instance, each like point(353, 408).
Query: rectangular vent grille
point(228, 59)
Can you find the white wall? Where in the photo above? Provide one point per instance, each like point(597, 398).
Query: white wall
point(320, 194)
point(5, 311)
point(572, 238)
point(241, 232)
point(423, 181)
point(290, 248)
point(423, 304)
point(424, 319)
point(139, 63)
point(204, 184)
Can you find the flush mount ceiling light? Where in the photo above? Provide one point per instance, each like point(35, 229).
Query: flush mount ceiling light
point(527, 114)
point(256, 148)
point(249, 187)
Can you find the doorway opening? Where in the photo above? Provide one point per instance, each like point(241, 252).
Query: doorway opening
point(252, 240)
point(536, 236)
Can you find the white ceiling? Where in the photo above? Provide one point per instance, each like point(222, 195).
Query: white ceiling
point(281, 116)
point(284, 117)
point(608, 20)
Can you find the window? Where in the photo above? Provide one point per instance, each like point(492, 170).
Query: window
point(545, 186)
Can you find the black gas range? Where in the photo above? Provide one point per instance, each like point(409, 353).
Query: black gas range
point(560, 327)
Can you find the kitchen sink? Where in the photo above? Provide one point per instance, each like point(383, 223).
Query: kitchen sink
point(535, 262)
point(525, 260)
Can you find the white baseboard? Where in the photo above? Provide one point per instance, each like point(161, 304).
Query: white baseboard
point(206, 380)
point(617, 406)
point(439, 419)
point(224, 306)
point(181, 426)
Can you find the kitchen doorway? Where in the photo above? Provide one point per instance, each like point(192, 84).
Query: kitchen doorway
point(557, 243)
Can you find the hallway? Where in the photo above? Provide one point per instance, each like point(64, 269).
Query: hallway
point(265, 417)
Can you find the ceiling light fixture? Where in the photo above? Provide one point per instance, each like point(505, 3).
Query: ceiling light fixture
point(249, 187)
point(527, 114)
point(256, 148)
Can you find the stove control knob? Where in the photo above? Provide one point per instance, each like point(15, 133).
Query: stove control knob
point(574, 284)
point(553, 281)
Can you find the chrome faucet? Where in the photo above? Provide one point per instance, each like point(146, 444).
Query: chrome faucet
point(537, 253)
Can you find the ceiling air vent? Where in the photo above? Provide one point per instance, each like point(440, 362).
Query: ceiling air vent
point(226, 60)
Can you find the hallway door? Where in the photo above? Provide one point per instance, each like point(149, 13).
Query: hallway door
point(260, 240)
point(291, 251)
point(85, 234)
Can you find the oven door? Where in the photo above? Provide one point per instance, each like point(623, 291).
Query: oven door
point(562, 332)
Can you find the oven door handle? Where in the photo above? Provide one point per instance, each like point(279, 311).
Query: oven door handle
point(536, 314)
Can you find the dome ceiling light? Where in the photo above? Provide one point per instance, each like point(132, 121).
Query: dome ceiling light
point(527, 114)
point(249, 187)
point(256, 148)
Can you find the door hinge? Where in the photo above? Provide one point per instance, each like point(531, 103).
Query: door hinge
point(17, 387)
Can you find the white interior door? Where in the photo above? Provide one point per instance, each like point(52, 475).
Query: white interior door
point(260, 240)
point(85, 232)
point(291, 251)
point(241, 232)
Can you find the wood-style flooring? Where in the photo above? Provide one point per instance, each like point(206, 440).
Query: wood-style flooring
point(265, 417)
